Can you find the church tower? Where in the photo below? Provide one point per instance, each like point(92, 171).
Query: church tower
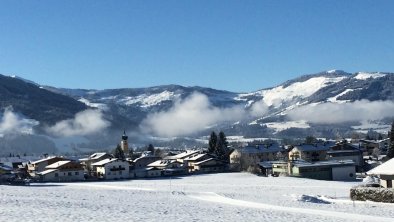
point(123, 144)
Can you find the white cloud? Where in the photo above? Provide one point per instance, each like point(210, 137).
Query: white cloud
point(259, 109)
point(11, 122)
point(328, 113)
point(188, 116)
point(85, 123)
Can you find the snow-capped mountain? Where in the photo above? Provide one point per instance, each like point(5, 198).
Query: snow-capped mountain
point(327, 104)
point(329, 87)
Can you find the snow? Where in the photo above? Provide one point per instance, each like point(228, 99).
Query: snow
point(387, 168)
point(332, 71)
point(304, 89)
point(23, 79)
point(335, 98)
point(210, 197)
point(366, 126)
point(366, 75)
point(101, 106)
point(280, 126)
point(150, 100)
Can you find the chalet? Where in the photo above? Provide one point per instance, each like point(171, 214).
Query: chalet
point(138, 167)
point(190, 162)
point(112, 168)
point(370, 145)
point(346, 151)
point(65, 170)
point(94, 158)
point(253, 155)
point(168, 167)
point(385, 172)
point(211, 165)
point(182, 156)
point(40, 165)
point(310, 152)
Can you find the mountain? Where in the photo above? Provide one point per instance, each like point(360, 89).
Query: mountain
point(327, 104)
point(128, 107)
point(34, 102)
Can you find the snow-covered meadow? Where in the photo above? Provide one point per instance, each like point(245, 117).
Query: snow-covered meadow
point(211, 197)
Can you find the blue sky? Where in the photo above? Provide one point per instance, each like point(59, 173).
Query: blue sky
point(240, 45)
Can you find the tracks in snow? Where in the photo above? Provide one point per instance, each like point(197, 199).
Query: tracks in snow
point(213, 197)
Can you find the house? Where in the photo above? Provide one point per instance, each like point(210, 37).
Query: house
point(168, 167)
point(254, 154)
point(347, 151)
point(385, 172)
point(112, 168)
point(190, 162)
point(211, 165)
point(182, 156)
point(310, 152)
point(153, 172)
point(64, 170)
point(94, 158)
point(323, 170)
point(40, 165)
point(370, 145)
point(4, 169)
point(267, 167)
point(138, 167)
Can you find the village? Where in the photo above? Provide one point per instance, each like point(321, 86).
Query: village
point(341, 160)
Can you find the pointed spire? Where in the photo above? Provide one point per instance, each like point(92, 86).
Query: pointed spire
point(124, 136)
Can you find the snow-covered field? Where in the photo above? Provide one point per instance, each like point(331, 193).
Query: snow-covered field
point(213, 197)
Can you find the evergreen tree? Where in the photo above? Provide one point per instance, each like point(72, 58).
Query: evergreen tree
point(390, 153)
point(213, 139)
point(151, 148)
point(221, 150)
point(118, 153)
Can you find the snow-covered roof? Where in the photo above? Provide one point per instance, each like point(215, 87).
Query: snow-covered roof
point(58, 164)
point(94, 156)
point(146, 157)
point(314, 147)
point(207, 160)
point(105, 161)
point(185, 154)
point(161, 163)
point(47, 171)
point(45, 159)
point(196, 157)
point(387, 168)
point(262, 148)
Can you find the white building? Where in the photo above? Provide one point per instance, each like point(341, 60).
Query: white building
point(65, 170)
point(112, 168)
point(385, 172)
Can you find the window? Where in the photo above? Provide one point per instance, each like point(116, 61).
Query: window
point(69, 174)
point(76, 173)
point(120, 172)
point(56, 174)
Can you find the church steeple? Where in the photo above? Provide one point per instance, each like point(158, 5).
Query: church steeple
point(124, 144)
point(124, 136)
